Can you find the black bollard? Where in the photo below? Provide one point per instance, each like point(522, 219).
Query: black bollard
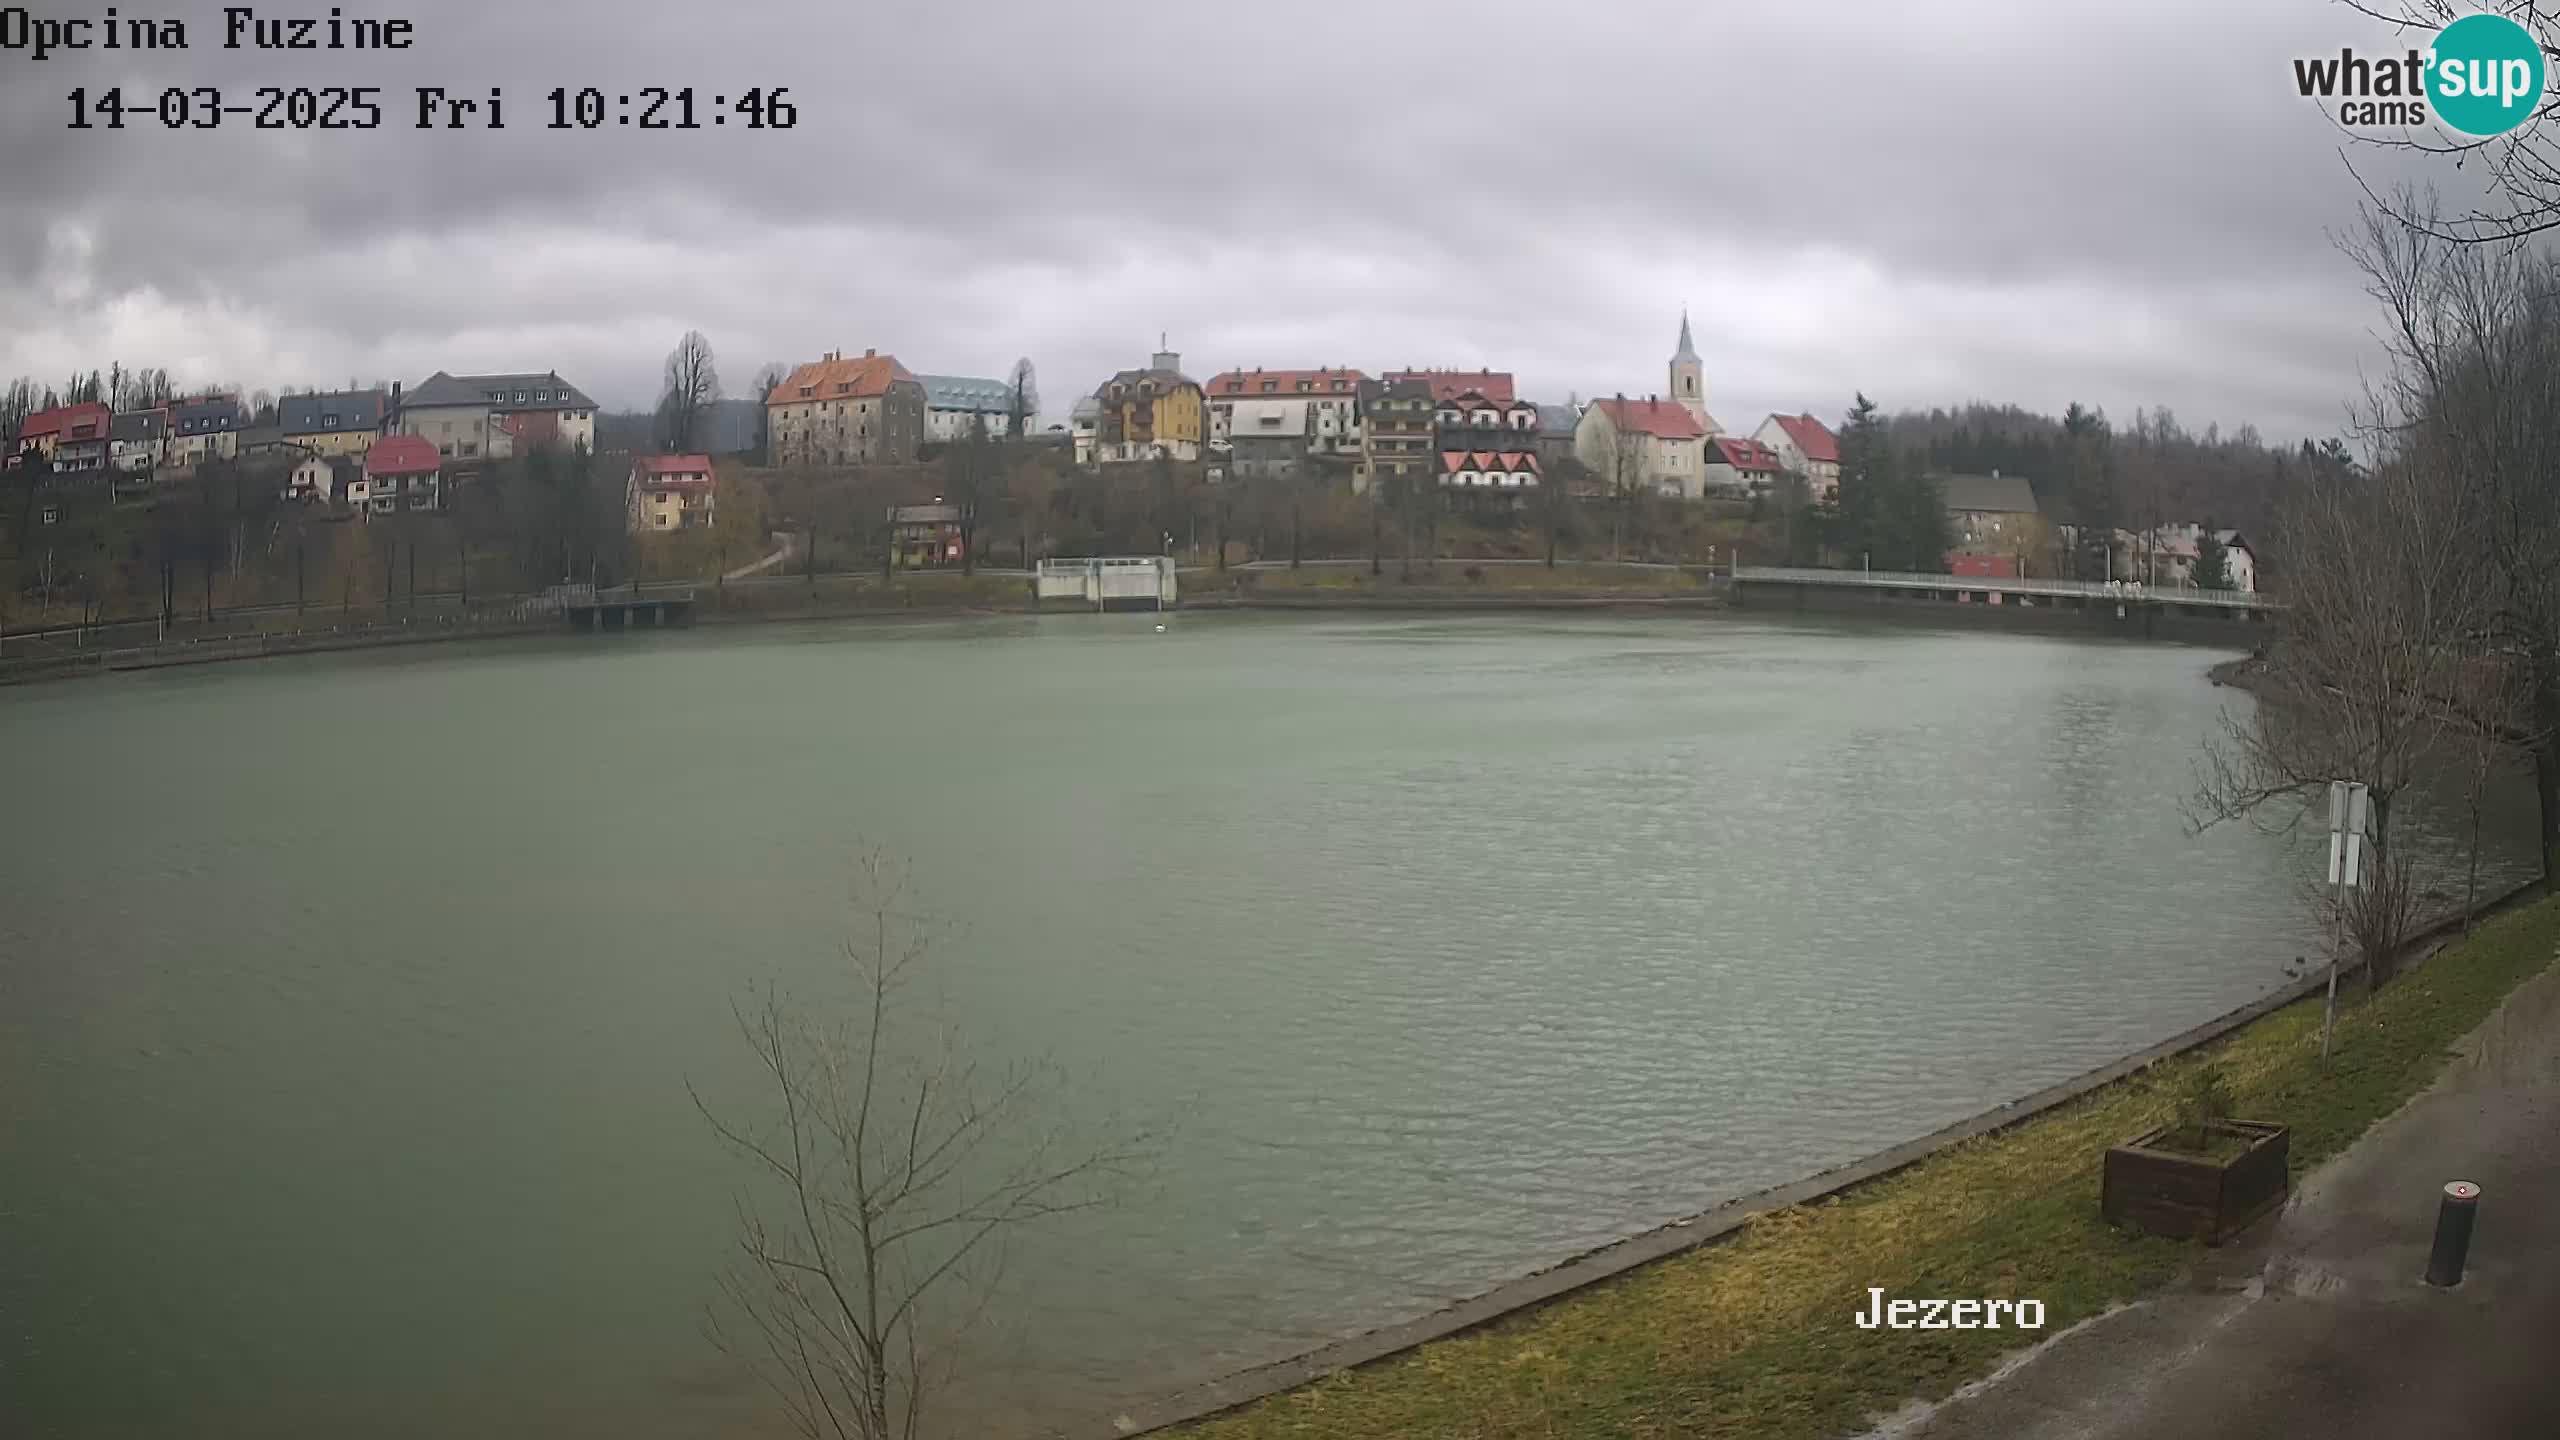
point(2460, 1206)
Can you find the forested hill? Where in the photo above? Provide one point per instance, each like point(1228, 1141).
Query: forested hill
point(2088, 470)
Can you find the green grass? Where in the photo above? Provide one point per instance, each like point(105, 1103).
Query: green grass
point(1754, 1337)
point(920, 590)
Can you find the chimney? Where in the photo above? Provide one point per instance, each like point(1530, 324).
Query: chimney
point(870, 354)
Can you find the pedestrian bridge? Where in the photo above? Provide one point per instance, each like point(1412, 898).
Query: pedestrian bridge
point(1115, 582)
point(1994, 590)
point(626, 608)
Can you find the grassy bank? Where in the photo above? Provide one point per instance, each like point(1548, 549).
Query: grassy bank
point(867, 594)
point(1755, 1337)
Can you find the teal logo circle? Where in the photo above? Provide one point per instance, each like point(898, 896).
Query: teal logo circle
point(2484, 75)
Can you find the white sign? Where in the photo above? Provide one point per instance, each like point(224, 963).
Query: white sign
point(2347, 806)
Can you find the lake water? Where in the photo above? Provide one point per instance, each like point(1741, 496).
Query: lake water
point(347, 1004)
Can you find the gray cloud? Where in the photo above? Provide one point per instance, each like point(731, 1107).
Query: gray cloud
point(1932, 202)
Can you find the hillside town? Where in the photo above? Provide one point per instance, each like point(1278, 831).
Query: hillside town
point(1467, 443)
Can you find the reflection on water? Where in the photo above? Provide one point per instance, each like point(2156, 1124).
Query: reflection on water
point(350, 1003)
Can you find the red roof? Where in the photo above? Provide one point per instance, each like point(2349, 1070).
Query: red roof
point(67, 421)
point(672, 472)
point(1283, 383)
point(1452, 461)
point(1743, 453)
point(1811, 436)
point(839, 378)
point(1495, 384)
point(1660, 418)
point(402, 455)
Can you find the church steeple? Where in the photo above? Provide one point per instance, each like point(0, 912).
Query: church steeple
point(1688, 376)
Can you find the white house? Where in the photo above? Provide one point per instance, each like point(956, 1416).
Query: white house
point(490, 417)
point(953, 404)
point(1328, 398)
point(2167, 556)
point(138, 437)
point(1739, 466)
point(1806, 446)
point(320, 479)
point(1653, 444)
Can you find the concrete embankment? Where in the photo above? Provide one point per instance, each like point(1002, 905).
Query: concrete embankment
point(2130, 620)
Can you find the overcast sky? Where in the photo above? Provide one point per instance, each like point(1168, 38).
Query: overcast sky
point(1929, 200)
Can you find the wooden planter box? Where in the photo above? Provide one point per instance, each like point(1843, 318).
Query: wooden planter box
point(2195, 1197)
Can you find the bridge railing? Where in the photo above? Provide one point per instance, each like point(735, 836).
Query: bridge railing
point(2009, 585)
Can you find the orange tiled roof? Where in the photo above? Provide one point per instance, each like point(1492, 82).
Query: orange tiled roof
point(1284, 383)
point(840, 378)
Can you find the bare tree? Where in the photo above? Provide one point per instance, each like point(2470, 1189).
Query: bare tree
point(767, 380)
point(969, 485)
point(892, 1170)
point(2520, 169)
point(1622, 469)
point(2474, 335)
point(693, 387)
point(2378, 640)
point(1022, 398)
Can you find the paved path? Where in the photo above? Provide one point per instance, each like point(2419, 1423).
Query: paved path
point(2318, 1325)
point(758, 567)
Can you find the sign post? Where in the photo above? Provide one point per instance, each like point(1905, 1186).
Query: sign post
point(2347, 805)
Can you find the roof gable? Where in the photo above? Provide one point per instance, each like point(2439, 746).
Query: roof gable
point(311, 414)
point(1495, 384)
point(1280, 384)
point(402, 455)
point(966, 392)
point(1743, 453)
point(1987, 494)
point(546, 391)
point(1662, 419)
point(65, 419)
point(1812, 437)
point(862, 377)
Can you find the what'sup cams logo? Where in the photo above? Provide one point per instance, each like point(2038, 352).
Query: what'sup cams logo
point(2481, 76)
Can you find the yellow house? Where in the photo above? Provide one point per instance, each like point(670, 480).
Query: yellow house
point(1157, 412)
point(671, 492)
point(345, 423)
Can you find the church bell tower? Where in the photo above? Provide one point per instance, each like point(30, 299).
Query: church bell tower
point(1688, 375)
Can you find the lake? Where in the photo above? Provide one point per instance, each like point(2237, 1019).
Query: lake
point(348, 1003)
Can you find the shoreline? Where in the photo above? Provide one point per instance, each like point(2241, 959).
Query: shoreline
point(214, 650)
point(1709, 1228)
point(740, 608)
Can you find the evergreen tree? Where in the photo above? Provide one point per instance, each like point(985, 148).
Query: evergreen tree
point(1866, 484)
point(2089, 488)
point(2213, 564)
point(1923, 535)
